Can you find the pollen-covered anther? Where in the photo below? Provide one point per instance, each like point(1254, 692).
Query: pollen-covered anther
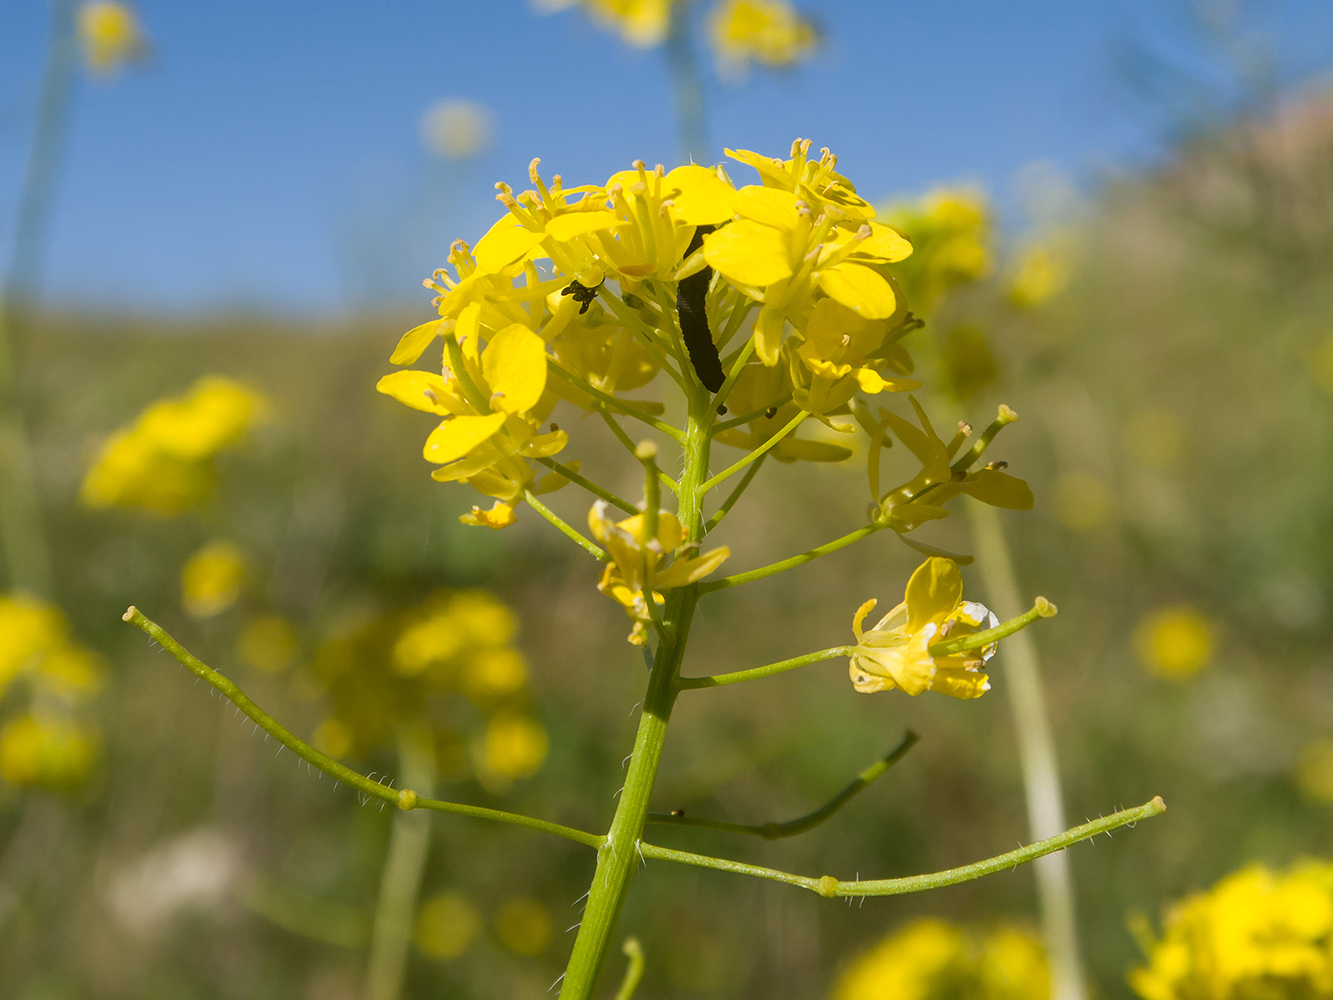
point(1007, 415)
point(997, 466)
point(532, 170)
point(964, 428)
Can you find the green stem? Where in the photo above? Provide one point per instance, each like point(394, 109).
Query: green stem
point(609, 400)
point(726, 425)
point(735, 495)
point(734, 373)
point(633, 971)
point(619, 857)
point(564, 529)
point(758, 453)
point(632, 446)
point(721, 680)
point(404, 798)
point(471, 391)
point(797, 560)
point(400, 883)
point(1036, 755)
point(776, 831)
point(1041, 609)
point(830, 887)
point(597, 491)
point(22, 531)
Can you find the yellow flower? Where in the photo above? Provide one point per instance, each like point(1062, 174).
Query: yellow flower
point(163, 462)
point(642, 23)
point(950, 231)
point(896, 652)
point(110, 35)
point(501, 515)
point(446, 925)
point(934, 960)
point(268, 643)
point(1041, 273)
point(524, 926)
point(1175, 643)
point(35, 644)
point(212, 578)
point(513, 746)
point(637, 562)
point(456, 130)
point(1257, 933)
point(769, 32)
point(46, 752)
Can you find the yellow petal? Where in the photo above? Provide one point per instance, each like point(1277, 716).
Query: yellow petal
point(504, 243)
point(767, 206)
point(872, 382)
point(501, 515)
point(773, 171)
point(748, 253)
point(571, 224)
point(860, 616)
point(702, 197)
point(413, 342)
point(459, 435)
point(419, 390)
point(934, 590)
point(514, 364)
point(685, 571)
point(885, 243)
point(860, 289)
point(768, 327)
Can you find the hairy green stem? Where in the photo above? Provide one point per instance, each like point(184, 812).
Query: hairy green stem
point(1042, 608)
point(600, 492)
point(404, 798)
point(619, 856)
point(768, 670)
point(792, 827)
point(581, 541)
point(735, 495)
point(828, 547)
point(400, 882)
point(758, 453)
point(830, 887)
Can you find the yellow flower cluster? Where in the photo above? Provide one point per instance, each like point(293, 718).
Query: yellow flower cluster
point(450, 664)
point(896, 652)
point(768, 32)
point(109, 34)
point(212, 578)
point(164, 462)
point(951, 231)
point(1257, 933)
point(935, 960)
point(50, 743)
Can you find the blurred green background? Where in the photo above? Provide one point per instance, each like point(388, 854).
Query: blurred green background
point(1176, 396)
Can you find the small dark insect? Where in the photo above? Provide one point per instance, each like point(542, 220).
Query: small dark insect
point(583, 295)
point(771, 412)
point(690, 297)
point(677, 812)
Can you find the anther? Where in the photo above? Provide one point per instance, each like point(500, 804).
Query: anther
point(771, 412)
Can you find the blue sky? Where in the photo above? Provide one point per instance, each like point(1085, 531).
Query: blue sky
point(268, 156)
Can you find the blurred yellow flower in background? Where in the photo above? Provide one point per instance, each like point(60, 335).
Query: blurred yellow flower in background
point(524, 925)
point(951, 236)
point(896, 652)
point(1256, 934)
point(212, 578)
point(642, 23)
point(1040, 273)
point(46, 751)
point(1154, 437)
point(769, 32)
point(935, 960)
point(455, 129)
point(109, 34)
point(1081, 501)
point(163, 462)
point(268, 643)
point(446, 925)
point(1314, 771)
point(513, 746)
point(1175, 643)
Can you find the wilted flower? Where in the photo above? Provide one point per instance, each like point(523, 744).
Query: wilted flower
point(896, 652)
point(639, 550)
point(1257, 933)
point(934, 960)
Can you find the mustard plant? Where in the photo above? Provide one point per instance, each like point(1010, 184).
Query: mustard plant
point(698, 312)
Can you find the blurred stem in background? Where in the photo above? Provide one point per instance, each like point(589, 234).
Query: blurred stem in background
point(1036, 754)
point(400, 883)
point(687, 89)
point(22, 533)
